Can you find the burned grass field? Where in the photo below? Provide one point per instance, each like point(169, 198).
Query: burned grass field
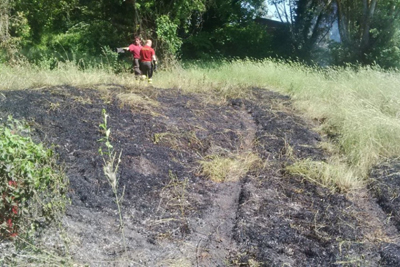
point(181, 206)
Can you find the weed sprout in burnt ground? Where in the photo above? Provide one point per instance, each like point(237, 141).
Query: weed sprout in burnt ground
point(111, 161)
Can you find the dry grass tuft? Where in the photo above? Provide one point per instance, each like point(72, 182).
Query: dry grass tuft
point(334, 174)
point(137, 101)
point(229, 169)
point(182, 262)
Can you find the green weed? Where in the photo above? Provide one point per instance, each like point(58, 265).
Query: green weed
point(111, 161)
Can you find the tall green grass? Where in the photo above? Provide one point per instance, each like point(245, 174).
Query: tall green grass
point(359, 109)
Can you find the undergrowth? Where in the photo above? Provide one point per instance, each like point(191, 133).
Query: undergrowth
point(33, 188)
point(33, 197)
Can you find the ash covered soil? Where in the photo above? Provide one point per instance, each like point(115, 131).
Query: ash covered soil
point(175, 216)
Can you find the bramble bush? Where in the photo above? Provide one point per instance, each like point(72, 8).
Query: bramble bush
point(32, 186)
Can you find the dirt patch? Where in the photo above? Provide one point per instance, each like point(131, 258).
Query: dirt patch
point(175, 217)
point(386, 186)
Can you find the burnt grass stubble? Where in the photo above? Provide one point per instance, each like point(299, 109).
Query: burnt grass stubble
point(175, 217)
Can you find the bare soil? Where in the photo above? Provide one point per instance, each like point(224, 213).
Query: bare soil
point(173, 216)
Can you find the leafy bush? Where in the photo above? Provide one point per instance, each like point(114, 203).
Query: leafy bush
point(111, 61)
point(246, 40)
point(166, 32)
point(32, 188)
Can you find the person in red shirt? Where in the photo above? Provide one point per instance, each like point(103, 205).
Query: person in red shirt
point(147, 56)
point(135, 50)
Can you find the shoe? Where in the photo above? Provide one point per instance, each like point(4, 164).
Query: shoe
point(150, 81)
point(143, 77)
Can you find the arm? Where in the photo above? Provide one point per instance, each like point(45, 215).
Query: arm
point(154, 58)
point(122, 49)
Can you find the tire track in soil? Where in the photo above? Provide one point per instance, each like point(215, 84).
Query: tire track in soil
point(216, 241)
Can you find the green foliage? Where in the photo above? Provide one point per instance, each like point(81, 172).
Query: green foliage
point(19, 26)
point(249, 40)
point(227, 29)
point(369, 32)
point(106, 138)
point(57, 29)
point(312, 23)
point(111, 59)
point(45, 30)
point(200, 46)
point(80, 27)
point(166, 32)
point(32, 187)
point(14, 32)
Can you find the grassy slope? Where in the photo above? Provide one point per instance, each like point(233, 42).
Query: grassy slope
point(359, 109)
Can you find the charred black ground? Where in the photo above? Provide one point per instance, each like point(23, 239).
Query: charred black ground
point(176, 217)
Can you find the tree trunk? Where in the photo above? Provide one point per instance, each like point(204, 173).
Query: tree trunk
point(343, 29)
point(4, 21)
point(368, 12)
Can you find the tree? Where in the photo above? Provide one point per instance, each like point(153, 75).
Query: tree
point(227, 28)
point(163, 21)
point(4, 20)
point(308, 24)
point(313, 21)
point(87, 26)
point(367, 26)
point(14, 30)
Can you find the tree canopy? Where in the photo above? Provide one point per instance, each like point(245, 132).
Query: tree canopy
point(206, 29)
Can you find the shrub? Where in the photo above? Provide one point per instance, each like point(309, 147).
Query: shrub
point(32, 187)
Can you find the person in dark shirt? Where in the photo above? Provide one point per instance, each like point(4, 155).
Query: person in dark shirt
point(147, 56)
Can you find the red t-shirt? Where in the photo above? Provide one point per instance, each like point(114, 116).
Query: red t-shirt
point(135, 50)
point(147, 53)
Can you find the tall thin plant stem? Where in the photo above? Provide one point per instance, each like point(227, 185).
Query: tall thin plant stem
point(110, 169)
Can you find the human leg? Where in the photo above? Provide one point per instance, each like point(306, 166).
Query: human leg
point(136, 66)
point(147, 69)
